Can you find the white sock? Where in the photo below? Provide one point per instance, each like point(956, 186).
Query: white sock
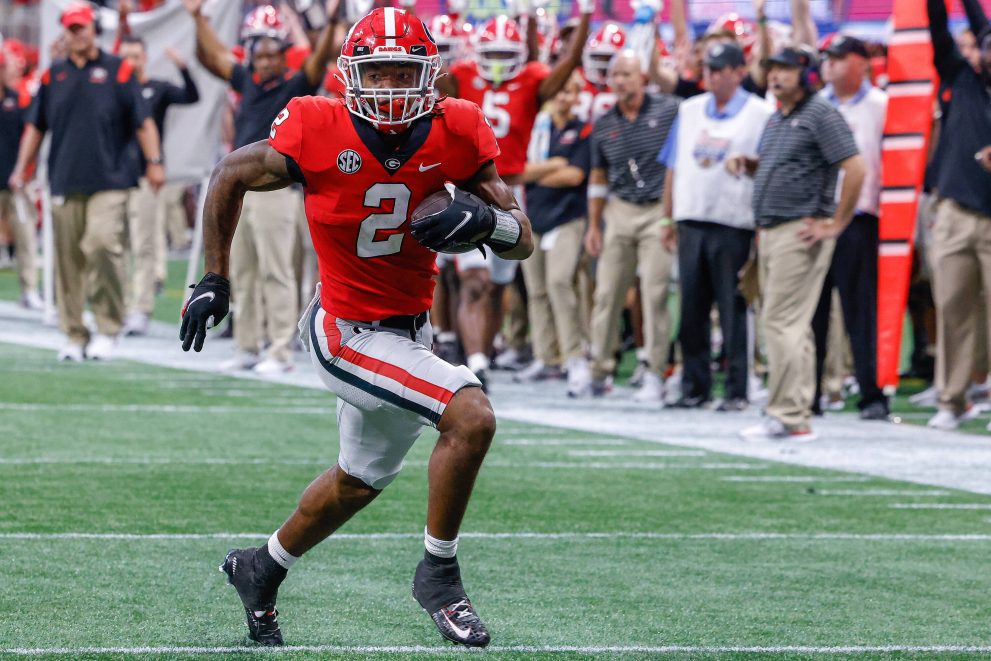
point(446, 336)
point(440, 547)
point(478, 362)
point(279, 553)
point(641, 354)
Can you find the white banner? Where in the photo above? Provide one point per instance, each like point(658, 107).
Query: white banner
point(192, 133)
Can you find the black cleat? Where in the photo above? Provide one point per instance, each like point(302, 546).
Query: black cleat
point(264, 629)
point(437, 588)
point(256, 577)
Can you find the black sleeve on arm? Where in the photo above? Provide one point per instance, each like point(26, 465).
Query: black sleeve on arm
point(295, 172)
point(946, 57)
point(976, 17)
point(186, 94)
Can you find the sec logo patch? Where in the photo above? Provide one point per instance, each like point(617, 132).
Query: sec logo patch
point(348, 161)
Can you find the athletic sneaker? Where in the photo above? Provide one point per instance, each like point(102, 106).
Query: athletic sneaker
point(437, 588)
point(636, 379)
point(947, 420)
point(242, 360)
point(928, 397)
point(772, 429)
point(538, 371)
point(102, 347)
point(579, 377)
point(271, 366)
point(651, 390)
point(256, 577)
point(135, 323)
point(71, 353)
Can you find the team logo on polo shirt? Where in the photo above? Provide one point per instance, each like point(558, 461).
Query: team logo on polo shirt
point(9, 103)
point(148, 92)
point(348, 161)
point(98, 75)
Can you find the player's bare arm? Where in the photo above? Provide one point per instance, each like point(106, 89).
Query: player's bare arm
point(254, 167)
point(490, 187)
point(572, 59)
point(210, 50)
point(315, 65)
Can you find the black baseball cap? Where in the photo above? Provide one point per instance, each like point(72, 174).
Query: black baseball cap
point(843, 45)
point(788, 56)
point(724, 54)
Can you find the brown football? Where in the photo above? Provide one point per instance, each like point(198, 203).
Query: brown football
point(437, 203)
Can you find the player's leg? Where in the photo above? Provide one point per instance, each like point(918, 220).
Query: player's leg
point(474, 317)
point(466, 430)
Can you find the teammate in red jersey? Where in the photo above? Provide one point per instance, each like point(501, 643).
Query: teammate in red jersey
point(596, 99)
point(510, 91)
point(365, 163)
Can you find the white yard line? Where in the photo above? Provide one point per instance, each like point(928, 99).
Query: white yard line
point(517, 649)
point(637, 453)
point(794, 478)
point(535, 536)
point(554, 442)
point(165, 408)
point(940, 506)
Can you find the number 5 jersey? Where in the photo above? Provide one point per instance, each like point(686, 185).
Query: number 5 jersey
point(359, 194)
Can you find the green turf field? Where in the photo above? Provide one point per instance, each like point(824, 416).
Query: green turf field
point(122, 486)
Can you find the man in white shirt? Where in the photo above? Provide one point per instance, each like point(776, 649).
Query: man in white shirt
point(854, 267)
point(715, 221)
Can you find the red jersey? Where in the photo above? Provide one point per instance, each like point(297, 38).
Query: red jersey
point(359, 196)
point(511, 108)
point(594, 102)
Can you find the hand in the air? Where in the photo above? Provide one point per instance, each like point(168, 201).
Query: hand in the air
point(205, 308)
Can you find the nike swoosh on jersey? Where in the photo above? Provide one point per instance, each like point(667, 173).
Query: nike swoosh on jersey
point(460, 225)
point(424, 168)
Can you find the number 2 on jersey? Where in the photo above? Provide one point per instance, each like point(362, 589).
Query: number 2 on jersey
point(493, 107)
point(375, 197)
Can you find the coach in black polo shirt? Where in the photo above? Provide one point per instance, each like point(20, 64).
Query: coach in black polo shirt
point(625, 144)
point(266, 232)
point(146, 228)
point(805, 144)
point(92, 105)
point(961, 236)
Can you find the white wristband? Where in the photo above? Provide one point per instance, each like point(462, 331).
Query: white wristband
point(506, 232)
point(586, 6)
point(598, 191)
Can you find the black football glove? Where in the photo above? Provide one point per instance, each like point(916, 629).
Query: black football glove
point(466, 222)
point(205, 308)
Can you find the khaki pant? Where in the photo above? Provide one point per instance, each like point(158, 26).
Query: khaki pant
point(90, 231)
point(961, 255)
point(173, 216)
point(791, 276)
point(262, 277)
point(145, 239)
point(632, 236)
point(839, 357)
point(550, 276)
point(26, 240)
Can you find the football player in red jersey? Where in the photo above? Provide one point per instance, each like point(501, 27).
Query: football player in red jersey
point(596, 99)
point(510, 91)
point(366, 162)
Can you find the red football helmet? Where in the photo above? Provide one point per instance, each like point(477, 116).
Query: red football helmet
point(601, 47)
point(501, 49)
point(451, 36)
point(264, 21)
point(389, 64)
point(744, 29)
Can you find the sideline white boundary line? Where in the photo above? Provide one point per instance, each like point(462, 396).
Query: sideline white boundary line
point(637, 453)
point(879, 492)
point(538, 536)
point(519, 649)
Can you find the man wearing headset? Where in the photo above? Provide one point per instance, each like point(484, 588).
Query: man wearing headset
point(805, 143)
